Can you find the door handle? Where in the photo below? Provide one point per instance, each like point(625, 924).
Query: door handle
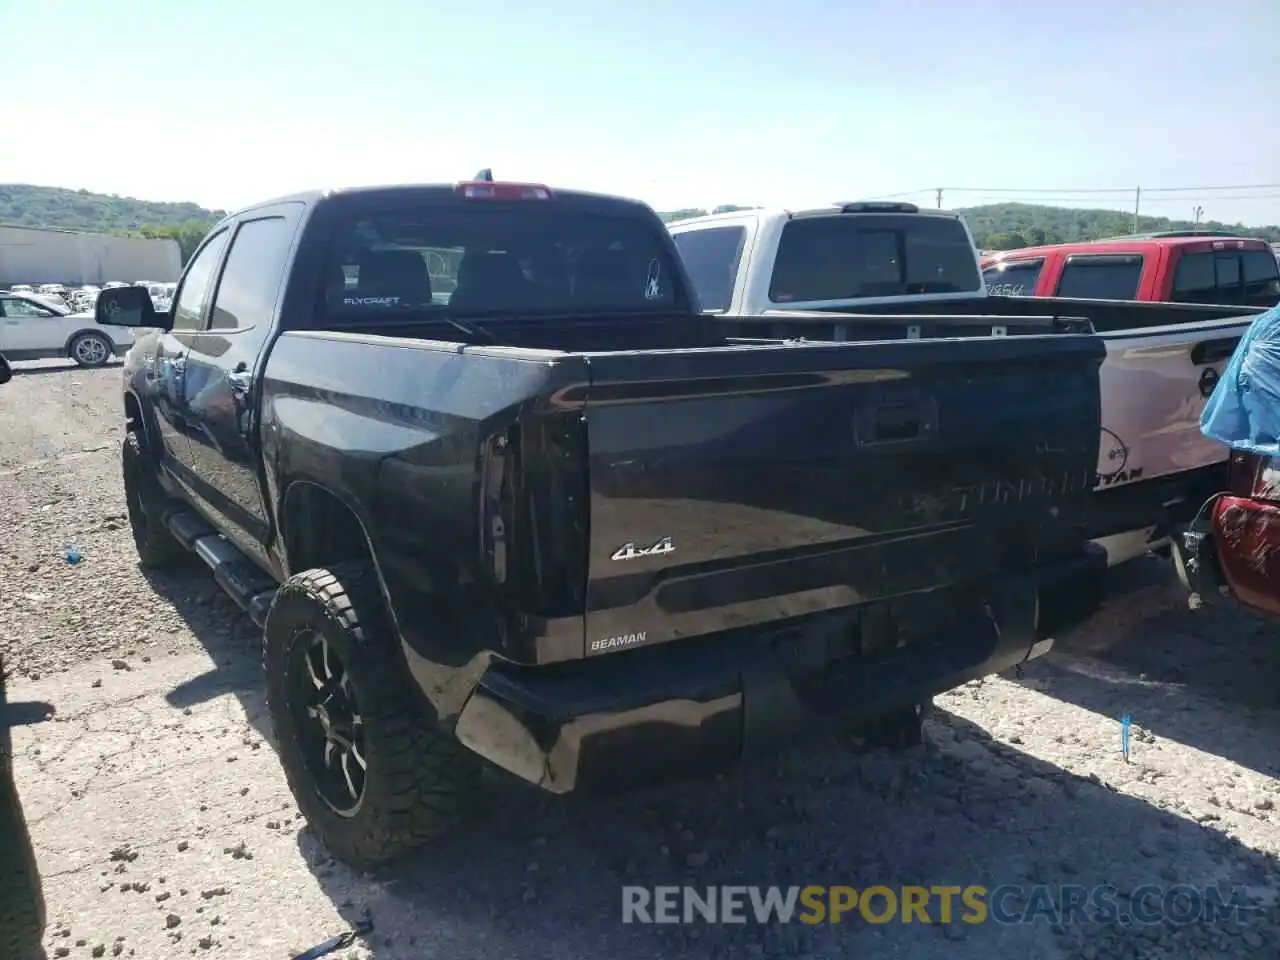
point(897, 422)
point(1211, 351)
point(1208, 380)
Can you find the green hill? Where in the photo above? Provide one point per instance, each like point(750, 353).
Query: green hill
point(1006, 226)
point(999, 226)
point(32, 206)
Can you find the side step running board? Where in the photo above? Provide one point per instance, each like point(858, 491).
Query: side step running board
point(239, 576)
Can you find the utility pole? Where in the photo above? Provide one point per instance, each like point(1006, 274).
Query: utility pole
point(939, 198)
point(1137, 202)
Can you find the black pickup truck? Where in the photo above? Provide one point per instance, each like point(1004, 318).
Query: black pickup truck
point(495, 488)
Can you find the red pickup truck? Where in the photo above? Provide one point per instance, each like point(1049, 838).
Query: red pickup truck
point(1175, 267)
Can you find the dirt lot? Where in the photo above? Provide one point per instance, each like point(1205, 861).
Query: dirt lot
point(164, 827)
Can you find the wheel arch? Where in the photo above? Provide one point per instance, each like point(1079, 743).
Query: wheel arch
point(133, 418)
point(320, 528)
point(136, 419)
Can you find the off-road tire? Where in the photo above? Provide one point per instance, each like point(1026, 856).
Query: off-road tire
point(108, 350)
point(418, 778)
point(146, 503)
point(22, 909)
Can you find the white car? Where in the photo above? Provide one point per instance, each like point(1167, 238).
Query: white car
point(82, 301)
point(32, 328)
point(159, 293)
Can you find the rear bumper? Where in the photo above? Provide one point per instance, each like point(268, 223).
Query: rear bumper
point(1231, 551)
point(686, 708)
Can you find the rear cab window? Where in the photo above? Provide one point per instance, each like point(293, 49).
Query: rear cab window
point(859, 256)
point(1113, 276)
point(712, 257)
point(1013, 278)
point(435, 255)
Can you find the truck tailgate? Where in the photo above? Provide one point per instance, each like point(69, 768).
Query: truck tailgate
point(739, 486)
point(1154, 386)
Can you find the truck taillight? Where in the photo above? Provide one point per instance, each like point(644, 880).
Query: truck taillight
point(535, 512)
point(488, 190)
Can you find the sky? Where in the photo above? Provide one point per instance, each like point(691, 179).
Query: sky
point(682, 103)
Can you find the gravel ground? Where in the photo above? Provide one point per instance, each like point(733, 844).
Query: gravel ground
point(1021, 780)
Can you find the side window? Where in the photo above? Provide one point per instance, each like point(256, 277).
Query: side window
point(1013, 278)
point(251, 279)
point(711, 258)
point(25, 310)
point(1193, 279)
point(1261, 278)
point(1101, 277)
point(196, 283)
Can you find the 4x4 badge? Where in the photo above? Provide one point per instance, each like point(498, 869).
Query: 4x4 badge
point(629, 551)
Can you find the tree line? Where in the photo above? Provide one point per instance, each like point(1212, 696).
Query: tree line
point(998, 226)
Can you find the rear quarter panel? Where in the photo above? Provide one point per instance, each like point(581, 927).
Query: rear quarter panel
point(393, 429)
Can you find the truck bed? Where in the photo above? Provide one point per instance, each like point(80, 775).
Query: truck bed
point(684, 486)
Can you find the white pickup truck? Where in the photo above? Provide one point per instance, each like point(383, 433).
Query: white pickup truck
point(827, 273)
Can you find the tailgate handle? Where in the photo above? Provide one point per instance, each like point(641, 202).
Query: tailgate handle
point(899, 422)
point(1211, 351)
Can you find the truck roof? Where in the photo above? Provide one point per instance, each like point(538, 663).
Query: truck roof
point(1135, 243)
point(579, 198)
point(852, 207)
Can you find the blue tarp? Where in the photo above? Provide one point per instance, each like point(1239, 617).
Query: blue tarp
point(1244, 409)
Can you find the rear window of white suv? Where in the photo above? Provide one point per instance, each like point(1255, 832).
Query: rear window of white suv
point(850, 256)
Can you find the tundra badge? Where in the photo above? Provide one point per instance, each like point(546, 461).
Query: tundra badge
point(629, 551)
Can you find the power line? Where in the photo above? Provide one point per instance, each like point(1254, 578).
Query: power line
point(1251, 186)
point(1193, 198)
point(904, 193)
point(1098, 190)
point(1125, 190)
point(1145, 198)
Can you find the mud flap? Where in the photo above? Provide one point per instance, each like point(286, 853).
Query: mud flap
point(1065, 605)
point(1195, 557)
point(900, 730)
